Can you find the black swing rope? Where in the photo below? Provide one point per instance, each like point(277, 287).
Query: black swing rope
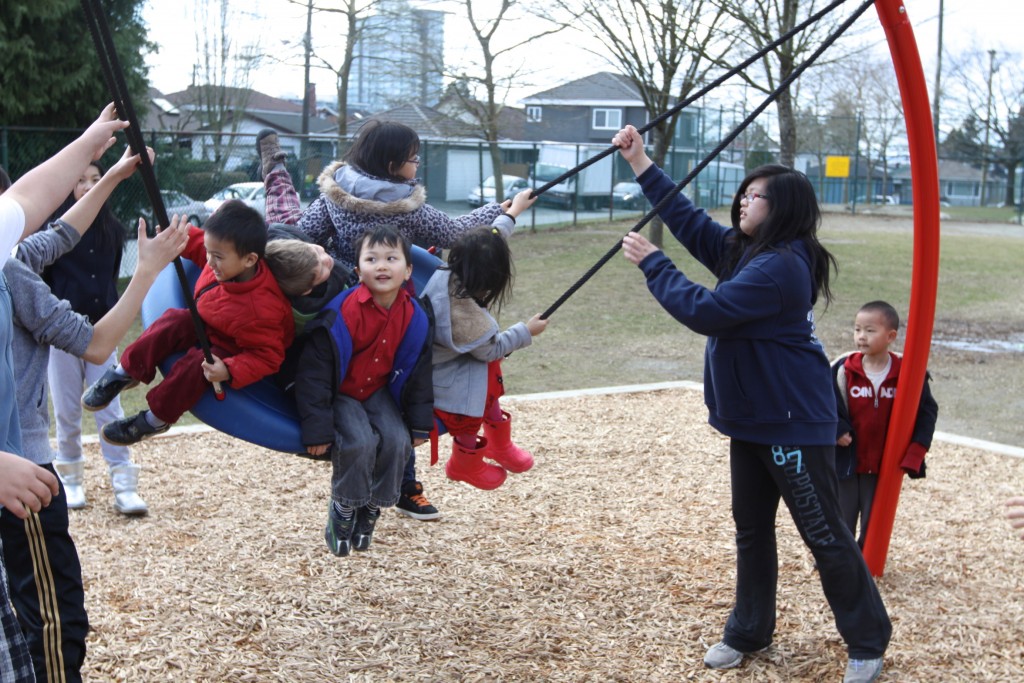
point(835, 35)
point(114, 77)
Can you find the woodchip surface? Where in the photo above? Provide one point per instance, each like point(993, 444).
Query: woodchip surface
point(611, 560)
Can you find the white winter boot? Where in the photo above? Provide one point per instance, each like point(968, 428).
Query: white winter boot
point(125, 479)
point(72, 475)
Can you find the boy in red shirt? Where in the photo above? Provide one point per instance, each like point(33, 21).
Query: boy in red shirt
point(248, 322)
point(865, 389)
point(364, 388)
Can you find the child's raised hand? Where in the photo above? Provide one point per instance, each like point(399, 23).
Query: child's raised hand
point(216, 371)
point(1015, 513)
point(536, 325)
point(521, 202)
point(25, 486)
point(636, 247)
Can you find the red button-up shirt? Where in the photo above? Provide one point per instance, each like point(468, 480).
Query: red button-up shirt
point(376, 333)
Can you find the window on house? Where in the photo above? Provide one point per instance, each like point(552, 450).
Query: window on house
point(533, 114)
point(607, 119)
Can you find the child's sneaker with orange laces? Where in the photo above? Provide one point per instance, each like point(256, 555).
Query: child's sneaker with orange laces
point(412, 503)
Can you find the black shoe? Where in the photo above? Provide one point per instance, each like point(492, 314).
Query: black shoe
point(106, 388)
point(268, 149)
point(412, 503)
point(338, 532)
point(130, 430)
point(365, 522)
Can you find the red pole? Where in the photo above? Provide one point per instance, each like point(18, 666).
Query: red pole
point(924, 281)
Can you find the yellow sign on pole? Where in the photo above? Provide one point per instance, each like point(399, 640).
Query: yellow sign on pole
point(837, 167)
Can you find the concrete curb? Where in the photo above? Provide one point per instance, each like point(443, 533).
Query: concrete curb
point(946, 437)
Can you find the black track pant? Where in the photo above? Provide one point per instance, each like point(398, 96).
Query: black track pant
point(805, 478)
point(45, 581)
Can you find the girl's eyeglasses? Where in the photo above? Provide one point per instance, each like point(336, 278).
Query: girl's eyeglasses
point(414, 160)
point(751, 196)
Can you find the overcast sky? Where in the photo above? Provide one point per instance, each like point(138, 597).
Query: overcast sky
point(968, 23)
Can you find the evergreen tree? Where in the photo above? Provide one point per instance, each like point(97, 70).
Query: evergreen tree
point(49, 71)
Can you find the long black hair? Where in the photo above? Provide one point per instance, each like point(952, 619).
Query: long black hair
point(110, 233)
point(793, 215)
point(481, 263)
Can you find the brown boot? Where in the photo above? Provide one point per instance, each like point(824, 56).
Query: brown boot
point(467, 464)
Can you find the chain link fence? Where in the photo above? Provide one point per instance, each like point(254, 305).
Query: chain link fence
point(194, 168)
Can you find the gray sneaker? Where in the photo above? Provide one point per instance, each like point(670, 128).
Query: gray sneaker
point(721, 656)
point(863, 670)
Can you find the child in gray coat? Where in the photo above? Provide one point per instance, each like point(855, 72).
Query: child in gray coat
point(469, 346)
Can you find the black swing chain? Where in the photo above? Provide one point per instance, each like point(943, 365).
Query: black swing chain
point(655, 210)
point(114, 77)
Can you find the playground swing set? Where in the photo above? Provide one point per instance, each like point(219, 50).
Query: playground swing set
point(265, 415)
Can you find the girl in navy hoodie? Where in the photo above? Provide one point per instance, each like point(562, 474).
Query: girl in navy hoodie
point(768, 387)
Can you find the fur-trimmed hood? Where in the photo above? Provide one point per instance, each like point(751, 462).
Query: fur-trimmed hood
point(349, 188)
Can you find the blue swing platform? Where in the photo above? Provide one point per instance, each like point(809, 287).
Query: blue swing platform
point(261, 413)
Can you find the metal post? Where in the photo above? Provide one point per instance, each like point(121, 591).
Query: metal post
point(307, 44)
point(988, 127)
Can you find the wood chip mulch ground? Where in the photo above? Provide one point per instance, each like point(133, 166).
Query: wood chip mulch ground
point(612, 560)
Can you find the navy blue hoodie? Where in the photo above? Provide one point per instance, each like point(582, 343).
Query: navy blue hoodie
point(766, 377)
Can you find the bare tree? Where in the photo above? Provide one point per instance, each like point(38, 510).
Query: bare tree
point(221, 77)
point(989, 87)
point(482, 85)
point(764, 21)
point(667, 49)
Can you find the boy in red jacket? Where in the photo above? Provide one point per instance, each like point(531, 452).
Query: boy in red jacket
point(865, 389)
point(248, 322)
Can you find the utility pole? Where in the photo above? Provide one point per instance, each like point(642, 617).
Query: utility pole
point(307, 43)
point(988, 127)
point(938, 78)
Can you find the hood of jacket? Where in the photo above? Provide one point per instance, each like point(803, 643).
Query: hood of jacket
point(349, 188)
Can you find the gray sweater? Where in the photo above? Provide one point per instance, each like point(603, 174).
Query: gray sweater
point(466, 339)
point(41, 320)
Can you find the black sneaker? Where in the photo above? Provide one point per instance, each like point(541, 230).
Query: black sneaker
point(365, 522)
point(269, 151)
point(412, 503)
point(106, 388)
point(130, 430)
point(338, 532)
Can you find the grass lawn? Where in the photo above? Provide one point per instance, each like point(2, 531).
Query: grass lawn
point(612, 332)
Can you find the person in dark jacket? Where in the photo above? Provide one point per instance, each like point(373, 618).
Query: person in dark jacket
point(364, 388)
point(865, 386)
point(768, 387)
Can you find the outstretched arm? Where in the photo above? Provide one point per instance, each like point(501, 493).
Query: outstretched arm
point(83, 212)
point(40, 191)
point(154, 255)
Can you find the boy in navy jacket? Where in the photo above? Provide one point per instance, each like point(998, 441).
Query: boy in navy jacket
point(364, 389)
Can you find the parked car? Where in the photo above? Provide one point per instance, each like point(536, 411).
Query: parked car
point(252, 194)
point(879, 199)
point(513, 186)
point(180, 203)
point(628, 195)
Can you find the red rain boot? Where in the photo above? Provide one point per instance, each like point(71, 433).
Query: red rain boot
point(467, 464)
point(500, 448)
